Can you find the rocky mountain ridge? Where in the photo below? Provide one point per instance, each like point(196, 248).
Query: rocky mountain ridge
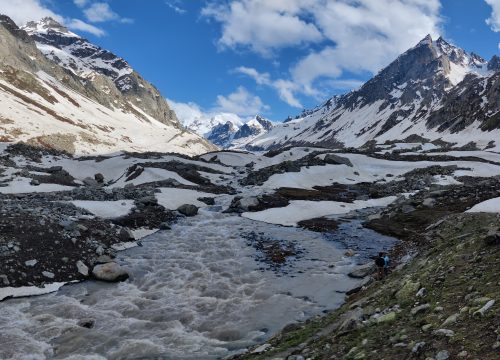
point(435, 91)
point(85, 111)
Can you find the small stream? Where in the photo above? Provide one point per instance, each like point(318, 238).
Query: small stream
point(195, 292)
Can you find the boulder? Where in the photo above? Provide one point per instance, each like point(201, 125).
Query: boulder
point(337, 160)
point(246, 203)
point(82, 268)
point(125, 235)
point(188, 210)
point(110, 272)
point(389, 317)
point(362, 271)
point(90, 182)
point(99, 178)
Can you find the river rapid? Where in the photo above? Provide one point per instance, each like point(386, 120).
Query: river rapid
point(198, 291)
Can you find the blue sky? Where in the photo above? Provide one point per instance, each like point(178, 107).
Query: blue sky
point(273, 57)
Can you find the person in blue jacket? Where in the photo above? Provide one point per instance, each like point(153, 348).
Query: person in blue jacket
point(387, 261)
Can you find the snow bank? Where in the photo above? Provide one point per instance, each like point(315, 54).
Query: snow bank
point(488, 206)
point(299, 210)
point(172, 198)
point(106, 209)
point(7, 292)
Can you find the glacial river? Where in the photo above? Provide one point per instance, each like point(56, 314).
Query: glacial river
point(197, 291)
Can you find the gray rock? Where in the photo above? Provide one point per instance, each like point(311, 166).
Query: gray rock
point(31, 263)
point(362, 271)
point(110, 272)
point(420, 309)
point(82, 268)
point(48, 274)
point(337, 160)
point(246, 203)
point(418, 347)
point(421, 293)
point(125, 235)
point(406, 209)
point(34, 182)
point(429, 202)
point(442, 355)
point(444, 332)
point(99, 178)
point(188, 210)
point(90, 182)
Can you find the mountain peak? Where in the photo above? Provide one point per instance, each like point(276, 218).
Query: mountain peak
point(46, 25)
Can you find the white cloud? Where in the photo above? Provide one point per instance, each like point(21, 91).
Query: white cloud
point(284, 88)
point(79, 25)
point(240, 102)
point(102, 12)
point(349, 36)
point(263, 25)
point(22, 11)
point(81, 3)
point(494, 20)
point(175, 6)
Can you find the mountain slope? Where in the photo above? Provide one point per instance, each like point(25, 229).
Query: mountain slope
point(434, 90)
point(80, 110)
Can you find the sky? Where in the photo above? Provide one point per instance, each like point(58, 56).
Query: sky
point(268, 57)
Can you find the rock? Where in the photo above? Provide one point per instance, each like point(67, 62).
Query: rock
point(485, 308)
point(426, 327)
point(337, 160)
point(99, 178)
point(350, 253)
point(406, 209)
point(48, 274)
point(5, 280)
point(34, 182)
point(408, 290)
point(103, 259)
point(362, 271)
point(54, 169)
point(493, 238)
point(295, 357)
point(444, 332)
point(421, 293)
point(82, 268)
point(111, 272)
point(31, 263)
point(90, 182)
point(420, 309)
point(451, 319)
point(389, 317)
point(207, 200)
point(261, 349)
point(148, 201)
point(86, 323)
point(463, 354)
point(418, 347)
point(188, 210)
point(429, 202)
point(125, 235)
point(443, 355)
point(165, 226)
point(247, 202)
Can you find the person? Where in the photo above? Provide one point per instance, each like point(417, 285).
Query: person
point(380, 263)
point(387, 262)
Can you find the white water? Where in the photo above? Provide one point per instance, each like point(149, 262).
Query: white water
point(196, 292)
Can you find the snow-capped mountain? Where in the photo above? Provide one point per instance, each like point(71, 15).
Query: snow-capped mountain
point(58, 90)
point(234, 135)
point(434, 90)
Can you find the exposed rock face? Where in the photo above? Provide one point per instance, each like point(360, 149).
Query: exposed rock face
point(434, 90)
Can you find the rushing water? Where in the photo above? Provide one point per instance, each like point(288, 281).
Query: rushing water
point(195, 292)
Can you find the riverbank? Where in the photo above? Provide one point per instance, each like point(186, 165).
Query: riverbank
point(443, 304)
